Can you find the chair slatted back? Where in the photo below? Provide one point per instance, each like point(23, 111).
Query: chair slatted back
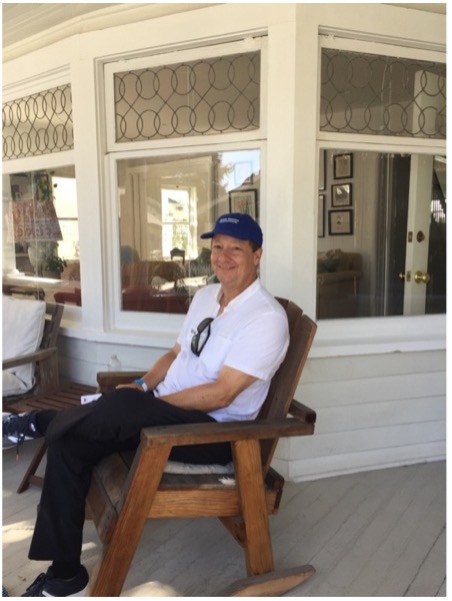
point(284, 383)
point(53, 316)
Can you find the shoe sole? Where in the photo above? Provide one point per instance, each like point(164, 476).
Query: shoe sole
point(81, 593)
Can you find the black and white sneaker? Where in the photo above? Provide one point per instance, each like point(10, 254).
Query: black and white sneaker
point(46, 585)
point(17, 428)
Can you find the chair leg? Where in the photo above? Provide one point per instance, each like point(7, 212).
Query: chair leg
point(248, 472)
point(144, 479)
point(263, 580)
point(30, 477)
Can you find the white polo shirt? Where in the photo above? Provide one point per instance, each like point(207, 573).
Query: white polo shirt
point(251, 335)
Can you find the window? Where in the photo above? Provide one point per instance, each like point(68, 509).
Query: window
point(41, 242)
point(38, 124)
point(382, 95)
point(382, 215)
point(206, 96)
point(184, 135)
point(382, 248)
point(165, 204)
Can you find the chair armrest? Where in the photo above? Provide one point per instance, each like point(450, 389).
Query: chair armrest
point(302, 412)
point(108, 380)
point(40, 355)
point(189, 434)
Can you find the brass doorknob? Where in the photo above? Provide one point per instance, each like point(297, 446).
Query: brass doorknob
point(420, 277)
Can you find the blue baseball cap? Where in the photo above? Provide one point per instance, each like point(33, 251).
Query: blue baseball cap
point(237, 225)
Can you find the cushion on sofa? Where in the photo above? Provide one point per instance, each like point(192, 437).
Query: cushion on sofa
point(327, 265)
point(23, 327)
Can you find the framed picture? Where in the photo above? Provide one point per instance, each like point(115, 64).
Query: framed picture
point(243, 201)
point(341, 195)
point(322, 170)
point(321, 217)
point(340, 223)
point(343, 166)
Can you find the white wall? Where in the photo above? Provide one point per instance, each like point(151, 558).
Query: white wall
point(374, 411)
point(378, 385)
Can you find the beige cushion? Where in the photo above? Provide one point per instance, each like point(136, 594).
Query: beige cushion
point(23, 326)
point(176, 467)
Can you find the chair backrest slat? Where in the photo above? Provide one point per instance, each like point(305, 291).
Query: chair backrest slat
point(284, 383)
point(53, 316)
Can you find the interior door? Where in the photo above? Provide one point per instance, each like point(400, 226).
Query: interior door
point(425, 257)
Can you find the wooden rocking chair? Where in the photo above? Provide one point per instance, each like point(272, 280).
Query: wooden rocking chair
point(126, 490)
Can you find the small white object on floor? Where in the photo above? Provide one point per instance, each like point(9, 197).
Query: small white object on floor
point(151, 589)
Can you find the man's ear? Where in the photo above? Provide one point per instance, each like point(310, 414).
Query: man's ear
point(258, 256)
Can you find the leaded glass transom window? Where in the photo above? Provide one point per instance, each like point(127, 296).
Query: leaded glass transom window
point(38, 124)
point(384, 95)
point(207, 96)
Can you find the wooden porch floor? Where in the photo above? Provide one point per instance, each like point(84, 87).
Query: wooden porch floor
point(380, 533)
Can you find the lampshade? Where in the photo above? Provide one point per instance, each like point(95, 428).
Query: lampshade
point(35, 221)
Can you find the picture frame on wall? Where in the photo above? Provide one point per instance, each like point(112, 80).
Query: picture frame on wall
point(341, 195)
point(321, 217)
point(243, 201)
point(343, 165)
point(340, 223)
point(322, 170)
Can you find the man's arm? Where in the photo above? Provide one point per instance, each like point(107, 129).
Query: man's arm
point(157, 372)
point(214, 395)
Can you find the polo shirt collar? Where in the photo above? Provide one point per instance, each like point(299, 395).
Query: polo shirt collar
point(243, 296)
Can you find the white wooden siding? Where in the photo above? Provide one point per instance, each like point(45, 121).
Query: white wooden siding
point(372, 412)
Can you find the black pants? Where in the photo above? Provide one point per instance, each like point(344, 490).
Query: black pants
point(78, 439)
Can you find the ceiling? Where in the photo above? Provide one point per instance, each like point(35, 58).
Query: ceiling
point(30, 26)
point(22, 21)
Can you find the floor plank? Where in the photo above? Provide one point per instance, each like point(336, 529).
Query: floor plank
point(379, 533)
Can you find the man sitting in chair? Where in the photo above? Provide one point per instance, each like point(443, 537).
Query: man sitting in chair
point(233, 339)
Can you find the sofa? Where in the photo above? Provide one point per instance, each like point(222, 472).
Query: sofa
point(338, 276)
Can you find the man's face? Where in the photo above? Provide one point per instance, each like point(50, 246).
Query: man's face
point(234, 262)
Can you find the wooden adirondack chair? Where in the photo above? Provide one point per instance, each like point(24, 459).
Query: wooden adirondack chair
point(45, 358)
point(48, 393)
point(128, 489)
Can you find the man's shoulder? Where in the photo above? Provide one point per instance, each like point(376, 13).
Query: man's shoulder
point(269, 302)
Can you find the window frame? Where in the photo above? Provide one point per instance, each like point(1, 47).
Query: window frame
point(149, 61)
point(383, 334)
point(153, 323)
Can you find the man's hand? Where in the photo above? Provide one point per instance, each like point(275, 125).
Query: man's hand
point(130, 385)
point(157, 372)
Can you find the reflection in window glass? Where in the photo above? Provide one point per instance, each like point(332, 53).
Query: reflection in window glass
point(41, 240)
point(382, 235)
point(165, 204)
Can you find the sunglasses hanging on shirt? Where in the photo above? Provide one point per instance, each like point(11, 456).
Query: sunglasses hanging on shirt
point(198, 342)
